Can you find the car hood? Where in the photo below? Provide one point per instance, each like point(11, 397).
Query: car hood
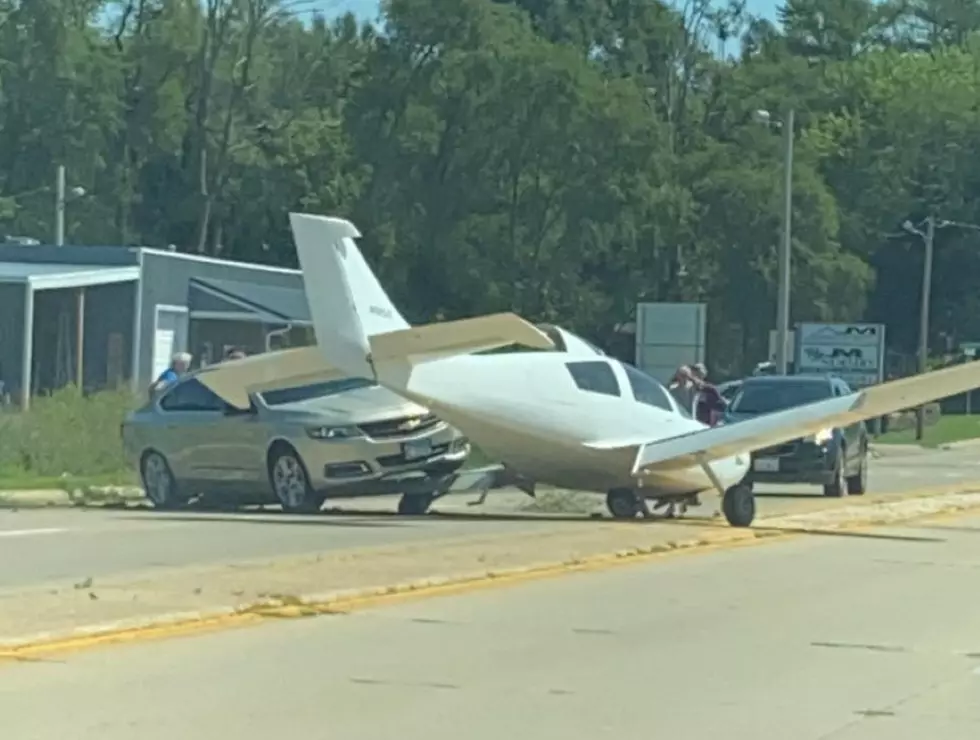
point(351, 407)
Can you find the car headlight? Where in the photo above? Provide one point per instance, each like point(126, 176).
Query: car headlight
point(333, 432)
point(823, 436)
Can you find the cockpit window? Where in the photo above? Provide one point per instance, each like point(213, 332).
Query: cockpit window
point(594, 376)
point(647, 390)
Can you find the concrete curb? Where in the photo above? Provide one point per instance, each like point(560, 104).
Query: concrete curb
point(95, 497)
point(341, 602)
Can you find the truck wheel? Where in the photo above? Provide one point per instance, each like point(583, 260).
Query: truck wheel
point(857, 484)
point(837, 487)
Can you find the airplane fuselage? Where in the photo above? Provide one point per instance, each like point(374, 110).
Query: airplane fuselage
point(528, 411)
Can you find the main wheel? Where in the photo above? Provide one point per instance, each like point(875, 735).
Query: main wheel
point(857, 484)
point(414, 504)
point(738, 505)
point(622, 503)
point(291, 482)
point(837, 487)
point(159, 482)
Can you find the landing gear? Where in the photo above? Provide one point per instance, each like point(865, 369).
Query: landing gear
point(738, 505)
point(623, 503)
point(414, 504)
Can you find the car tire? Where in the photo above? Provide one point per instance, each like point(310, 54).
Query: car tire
point(857, 484)
point(415, 504)
point(161, 487)
point(290, 482)
point(837, 487)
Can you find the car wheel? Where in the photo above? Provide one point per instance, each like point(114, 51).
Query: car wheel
point(857, 484)
point(836, 488)
point(414, 504)
point(291, 482)
point(159, 483)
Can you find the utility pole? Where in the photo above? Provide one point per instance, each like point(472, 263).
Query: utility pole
point(785, 253)
point(930, 236)
point(59, 207)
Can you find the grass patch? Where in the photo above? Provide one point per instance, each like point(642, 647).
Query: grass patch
point(947, 429)
point(66, 440)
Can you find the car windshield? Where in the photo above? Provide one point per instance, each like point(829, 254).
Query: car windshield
point(763, 397)
point(301, 393)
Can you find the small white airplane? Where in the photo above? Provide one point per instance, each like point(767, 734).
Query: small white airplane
point(564, 415)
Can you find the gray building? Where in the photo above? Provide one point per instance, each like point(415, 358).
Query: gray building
point(102, 317)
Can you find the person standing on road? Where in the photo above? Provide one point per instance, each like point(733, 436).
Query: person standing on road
point(708, 404)
point(683, 389)
point(179, 364)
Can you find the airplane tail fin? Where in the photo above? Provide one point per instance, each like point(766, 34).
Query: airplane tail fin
point(347, 304)
point(356, 324)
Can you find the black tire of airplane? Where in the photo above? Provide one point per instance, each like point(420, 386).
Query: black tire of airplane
point(622, 503)
point(738, 505)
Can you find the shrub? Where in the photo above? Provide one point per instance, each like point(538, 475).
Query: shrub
point(66, 433)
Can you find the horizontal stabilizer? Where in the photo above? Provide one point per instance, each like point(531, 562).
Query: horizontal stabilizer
point(449, 338)
point(233, 380)
point(713, 443)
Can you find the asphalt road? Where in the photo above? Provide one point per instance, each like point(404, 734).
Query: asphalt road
point(851, 637)
point(54, 545)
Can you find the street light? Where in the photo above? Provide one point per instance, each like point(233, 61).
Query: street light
point(785, 252)
point(928, 237)
point(59, 201)
point(59, 205)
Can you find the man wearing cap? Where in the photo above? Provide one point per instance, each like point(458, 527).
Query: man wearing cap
point(179, 364)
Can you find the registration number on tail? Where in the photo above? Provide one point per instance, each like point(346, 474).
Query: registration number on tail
point(417, 449)
point(766, 464)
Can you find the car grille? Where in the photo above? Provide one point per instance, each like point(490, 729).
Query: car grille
point(785, 449)
point(404, 426)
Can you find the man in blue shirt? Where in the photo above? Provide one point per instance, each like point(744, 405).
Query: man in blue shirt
point(179, 364)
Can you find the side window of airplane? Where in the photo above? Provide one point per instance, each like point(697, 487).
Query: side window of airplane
point(647, 390)
point(594, 376)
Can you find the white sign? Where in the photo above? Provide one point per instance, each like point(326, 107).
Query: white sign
point(854, 352)
point(669, 335)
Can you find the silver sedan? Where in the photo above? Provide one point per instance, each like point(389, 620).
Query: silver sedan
point(295, 446)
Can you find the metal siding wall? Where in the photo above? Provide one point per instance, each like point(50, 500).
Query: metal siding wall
point(11, 336)
point(166, 281)
point(108, 311)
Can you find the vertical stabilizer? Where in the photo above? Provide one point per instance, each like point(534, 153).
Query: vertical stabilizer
point(347, 303)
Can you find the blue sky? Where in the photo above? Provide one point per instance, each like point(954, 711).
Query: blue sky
point(368, 9)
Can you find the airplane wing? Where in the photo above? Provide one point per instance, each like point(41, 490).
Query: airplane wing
point(713, 443)
point(233, 380)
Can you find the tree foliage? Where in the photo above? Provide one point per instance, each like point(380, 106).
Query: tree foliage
point(564, 159)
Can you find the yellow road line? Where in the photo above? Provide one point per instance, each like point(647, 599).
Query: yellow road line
point(290, 607)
